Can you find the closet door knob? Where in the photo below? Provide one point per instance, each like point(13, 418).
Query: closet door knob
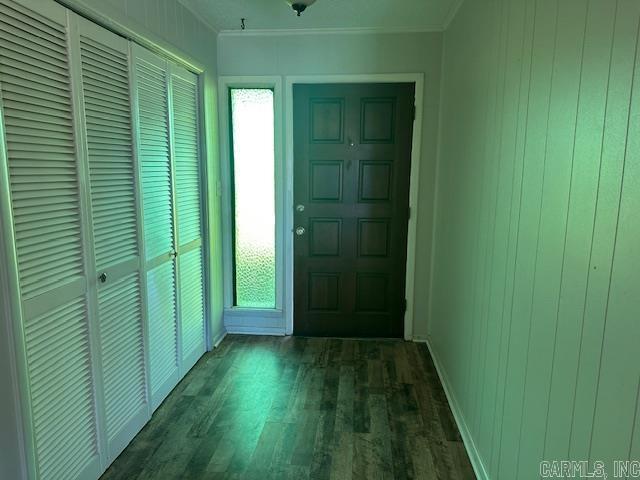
point(102, 277)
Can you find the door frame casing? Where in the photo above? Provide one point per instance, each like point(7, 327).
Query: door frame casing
point(279, 321)
point(241, 319)
point(416, 145)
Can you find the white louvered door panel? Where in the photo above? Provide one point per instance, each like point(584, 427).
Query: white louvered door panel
point(37, 115)
point(154, 148)
point(186, 154)
point(192, 306)
point(60, 382)
point(104, 59)
point(162, 332)
point(154, 154)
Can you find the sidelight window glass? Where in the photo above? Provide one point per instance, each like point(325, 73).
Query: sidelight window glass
point(253, 170)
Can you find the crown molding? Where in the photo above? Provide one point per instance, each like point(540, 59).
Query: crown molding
point(329, 31)
point(453, 11)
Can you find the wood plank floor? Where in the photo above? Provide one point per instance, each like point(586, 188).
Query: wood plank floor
point(298, 408)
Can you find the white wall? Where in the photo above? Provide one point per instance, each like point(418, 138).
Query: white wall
point(537, 262)
point(337, 54)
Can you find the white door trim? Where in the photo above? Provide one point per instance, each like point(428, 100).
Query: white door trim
point(280, 320)
point(251, 320)
point(416, 145)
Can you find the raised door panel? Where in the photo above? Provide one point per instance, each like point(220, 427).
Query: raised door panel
point(37, 116)
point(186, 154)
point(107, 118)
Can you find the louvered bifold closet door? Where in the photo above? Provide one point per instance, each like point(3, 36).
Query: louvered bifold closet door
point(104, 59)
point(43, 174)
point(186, 154)
point(154, 154)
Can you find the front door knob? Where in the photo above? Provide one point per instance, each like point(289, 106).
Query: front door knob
point(300, 231)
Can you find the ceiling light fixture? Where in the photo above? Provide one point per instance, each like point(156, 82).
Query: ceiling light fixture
point(300, 6)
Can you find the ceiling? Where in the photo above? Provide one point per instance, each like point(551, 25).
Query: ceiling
point(329, 15)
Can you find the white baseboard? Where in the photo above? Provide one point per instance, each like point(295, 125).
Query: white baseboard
point(469, 444)
point(249, 330)
point(218, 337)
point(419, 338)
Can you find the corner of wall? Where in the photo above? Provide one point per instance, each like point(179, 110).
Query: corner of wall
point(434, 216)
point(451, 15)
point(472, 450)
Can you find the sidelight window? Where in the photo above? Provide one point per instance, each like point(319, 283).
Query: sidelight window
point(253, 175)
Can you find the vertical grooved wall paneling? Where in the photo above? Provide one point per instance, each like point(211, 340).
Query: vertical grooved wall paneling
point(535, 308)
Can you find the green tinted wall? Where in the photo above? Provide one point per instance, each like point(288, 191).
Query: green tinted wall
point(535, 306)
